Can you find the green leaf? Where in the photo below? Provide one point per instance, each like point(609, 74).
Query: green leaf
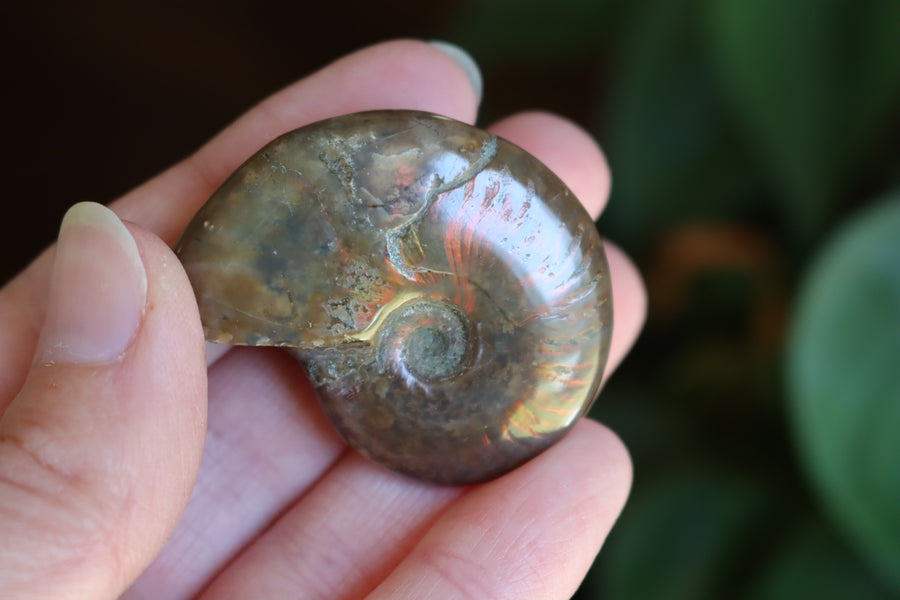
point(680, 538)
point(815, 81)
point(671, 143)
point(844, 382)
point(814, 564)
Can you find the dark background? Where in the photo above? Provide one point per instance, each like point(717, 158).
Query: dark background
point(755, 149)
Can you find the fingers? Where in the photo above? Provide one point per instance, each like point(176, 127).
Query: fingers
point(99, 450)
point(629, 305)
point(357, 524)
point(401, 75)
point(22, 308)
point(353, 529)
point(341, 540)
point(267, 443)
point(530, 534)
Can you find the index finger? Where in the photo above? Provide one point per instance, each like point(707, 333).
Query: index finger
point(400, 75)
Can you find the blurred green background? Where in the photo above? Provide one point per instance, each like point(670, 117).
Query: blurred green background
point(755, 150)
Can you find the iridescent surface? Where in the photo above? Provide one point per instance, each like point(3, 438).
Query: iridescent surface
point(446, 293)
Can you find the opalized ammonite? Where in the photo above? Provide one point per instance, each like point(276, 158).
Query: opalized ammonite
point(446, 293)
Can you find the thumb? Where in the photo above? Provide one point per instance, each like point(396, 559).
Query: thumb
point(101, 447)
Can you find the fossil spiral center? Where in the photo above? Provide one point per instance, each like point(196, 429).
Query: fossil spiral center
point(427, 339)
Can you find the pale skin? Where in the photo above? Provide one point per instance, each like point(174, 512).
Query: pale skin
point(103, 492)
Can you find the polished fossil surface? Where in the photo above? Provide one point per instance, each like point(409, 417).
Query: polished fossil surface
point(446, 293)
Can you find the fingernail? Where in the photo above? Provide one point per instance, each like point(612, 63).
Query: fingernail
point(98, 289)
point(464, 60)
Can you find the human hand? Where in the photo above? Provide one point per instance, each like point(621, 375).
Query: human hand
point(103, 392)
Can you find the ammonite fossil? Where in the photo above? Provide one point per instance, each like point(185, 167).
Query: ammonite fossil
point(445, 292)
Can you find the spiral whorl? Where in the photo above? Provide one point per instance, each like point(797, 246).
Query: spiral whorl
point(425, 340)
